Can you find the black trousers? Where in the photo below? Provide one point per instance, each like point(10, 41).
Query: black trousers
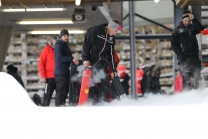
point(190, 67)
point(100, 89)
point(50, 86)
point(62, 89)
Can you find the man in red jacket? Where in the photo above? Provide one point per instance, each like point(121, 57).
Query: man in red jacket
point(46, 66)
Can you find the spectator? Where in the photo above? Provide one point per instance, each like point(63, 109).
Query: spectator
point(184, 44)
point(124, 78)
point(146, 80)
point(12, 70)
point(63, 58)
point(46, 67)
point(139, 76)
point(178, 82)
point(155, 82)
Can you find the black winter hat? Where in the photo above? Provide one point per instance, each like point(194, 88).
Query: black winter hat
point(55, 37)
point(146, 69)
point(64, 32)
point(10, 67)
point(177, 69)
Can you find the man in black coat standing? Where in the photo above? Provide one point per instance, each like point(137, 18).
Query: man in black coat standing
point(63, 58)
point(185, 46)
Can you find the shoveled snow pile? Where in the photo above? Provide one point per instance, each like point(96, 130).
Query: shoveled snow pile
point(181, 116)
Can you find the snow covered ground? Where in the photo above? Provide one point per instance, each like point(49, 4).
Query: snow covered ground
point(180, 116)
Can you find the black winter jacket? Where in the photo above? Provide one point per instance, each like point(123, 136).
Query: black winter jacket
point(155, 85)
point(183, 40)
point(63, 58)
point(98, 45)
point(146, 84)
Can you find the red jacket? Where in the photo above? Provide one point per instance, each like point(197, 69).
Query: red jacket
point(139, 76)
point(116, 58)
point(178, 84)
point(46, 64)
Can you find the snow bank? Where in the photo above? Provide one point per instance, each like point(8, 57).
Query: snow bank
point(182, 116)
point(12, 94)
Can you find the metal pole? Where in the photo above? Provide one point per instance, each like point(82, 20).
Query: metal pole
point(178, 12)
point(151, 21)
point(24, 59)
point(132, 49)
point(149, 36)
point(125, 16)
point(5, 36)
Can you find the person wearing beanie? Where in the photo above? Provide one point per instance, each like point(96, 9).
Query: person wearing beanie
point(46, 65)
point(99, 45)
point(63, 59)
point(12, 70)
point(64, 32)
point(185, 45)
point(124, 78)
point(146, 80)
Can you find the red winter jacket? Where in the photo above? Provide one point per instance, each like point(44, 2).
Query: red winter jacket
point(178, 84)
point(139, 76)
point(46, 64)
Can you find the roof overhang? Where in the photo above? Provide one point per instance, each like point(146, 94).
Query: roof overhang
point(34, 2)
point(183, 3)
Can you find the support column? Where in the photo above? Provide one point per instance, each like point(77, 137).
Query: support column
point(5, 36)
point(196, 10)
point(132, 49)
point(178, 13)
point(24, 58)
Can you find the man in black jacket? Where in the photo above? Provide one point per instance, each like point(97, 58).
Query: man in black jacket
point(63, 58)
point(185, 46)
point(99, 45)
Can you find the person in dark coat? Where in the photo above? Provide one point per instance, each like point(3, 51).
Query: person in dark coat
point(63, 59)
point(124, 77)
point(12, 70)
point(146, 81)
point(99, 47)
point(184, 44)
point(155, 82)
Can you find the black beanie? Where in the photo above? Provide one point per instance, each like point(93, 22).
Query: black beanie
point(10, 67)
point(64, 32)
point(55, 37)
point(185, 14)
